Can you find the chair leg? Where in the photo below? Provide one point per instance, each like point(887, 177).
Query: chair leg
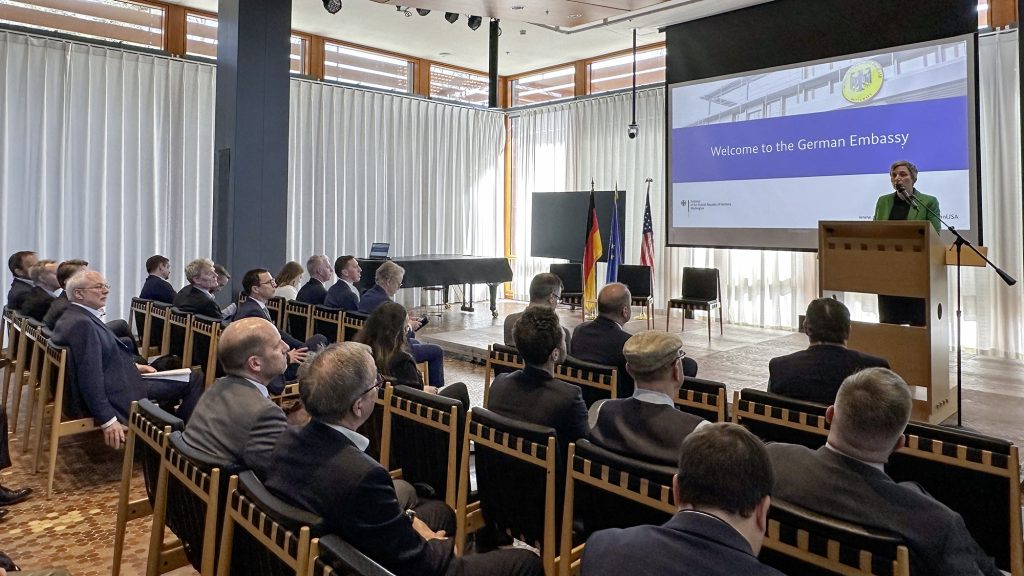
point(52, 465)
point(709, 324)
point(16, 408)
point(721, 323)
point(121, 524)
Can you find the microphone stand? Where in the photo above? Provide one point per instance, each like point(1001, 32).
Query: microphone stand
point(959, 243)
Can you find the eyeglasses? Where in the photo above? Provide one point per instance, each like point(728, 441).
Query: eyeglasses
point(272, 282)
point(97, 287)
point(379, 381)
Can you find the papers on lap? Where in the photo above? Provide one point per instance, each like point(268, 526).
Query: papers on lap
point(179, 375)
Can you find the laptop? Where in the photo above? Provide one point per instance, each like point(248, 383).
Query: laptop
point(379, 251)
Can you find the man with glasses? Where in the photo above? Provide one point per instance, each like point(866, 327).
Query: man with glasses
point(647, 426)
point(546, 292)
point(197, 296)
point(322, 467)
point(103, 365)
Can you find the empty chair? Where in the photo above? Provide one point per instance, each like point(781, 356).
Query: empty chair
point(178, 336)
point(352, 323)
point(501, 359)
point(704, 398)
point(298, 319)
point(159, 312)
point(205, 335)
point(702, 290)
point(275, 308)
point(329, 322)
point(596, 381)
point(641, 289)
point(775, 418)
point(142, 313)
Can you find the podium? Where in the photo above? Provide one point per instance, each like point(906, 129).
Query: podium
point(896, 258)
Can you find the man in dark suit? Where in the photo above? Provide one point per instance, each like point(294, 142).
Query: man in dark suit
point(66, 270)
point(723, 489)
point(816, 373)
point(105, 376)
point(647, 426)
point(845, 479)
point(344, 293)
point(156, 286)
point(533, 394)
point(235, 422)
point(545, 291)
point(19, 264)
point(319, 269)
point(46, 289)
point(322, 468)
point(197, 296)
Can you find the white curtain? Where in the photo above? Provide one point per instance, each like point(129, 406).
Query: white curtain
point(105, 155)
point(371, 167)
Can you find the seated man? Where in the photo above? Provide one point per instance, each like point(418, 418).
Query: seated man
point(156, 286)
point(103, 366)
point(388, 280)
point(46, 289)
point(845, 479)
point(197, 296)
point(65, 270)
point(815, 374)
point(533, 394)
point(235, 422)
point(723, 489)
point(647, 426)
point(19, 264)
point(344, 293)
point(322, 468)
point(319, 269)
point(545, 291)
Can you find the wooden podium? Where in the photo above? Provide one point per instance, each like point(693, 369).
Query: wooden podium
point(896, 258)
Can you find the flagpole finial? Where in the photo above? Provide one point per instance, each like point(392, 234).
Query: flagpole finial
point(591, 184)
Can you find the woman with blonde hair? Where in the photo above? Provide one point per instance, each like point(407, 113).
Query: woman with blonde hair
point(288, 281)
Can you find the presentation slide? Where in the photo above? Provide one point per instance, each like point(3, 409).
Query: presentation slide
point(756, 160)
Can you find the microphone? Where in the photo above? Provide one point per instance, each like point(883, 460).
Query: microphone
point(902, 193)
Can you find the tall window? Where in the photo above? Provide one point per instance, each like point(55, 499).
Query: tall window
point(458, 85)
point(113, 20)
point(364, 68)
point(616, 73)
point(544, 87)
point(201, 40)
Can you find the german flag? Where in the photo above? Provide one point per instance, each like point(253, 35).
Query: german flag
point(592, 252)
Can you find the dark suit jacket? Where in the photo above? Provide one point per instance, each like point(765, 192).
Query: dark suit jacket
point(600, 341)
point(691, 543)
point(815, 374)
point(233, 423)
point(643, 430)
point(830, 483)
point(532, 395)
point(510, 322)
point(57, 308)
point(312, 292)
point(371, 299)
point(341, 296)
point(321, 470)
point(156, 288)
point(37, 304)
point(251, 309)
point(192, 299)
point(20, 289)
point(5, 451)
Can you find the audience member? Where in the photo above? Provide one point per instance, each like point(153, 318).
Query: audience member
point(384, 333)
point(8, 496)
point(314, 291)
point(156, 286)
point(46, 289)
point(19, 264)
point(647, 426)
point(722, 489)
point(533, 394)
point(846, 479)
point(388, 279)
point(344, 293)
point(107, 379)
point(65, 270)
point(223, 278)
point(197, 296)
point(545, 291)
point(287, 281)
point(322, 468)
point(816, 373)
point(235, 422)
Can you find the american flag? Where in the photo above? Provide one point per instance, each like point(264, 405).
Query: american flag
point(647, 245)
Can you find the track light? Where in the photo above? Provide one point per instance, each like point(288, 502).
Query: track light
point(332, 6)
point(422, 11)
point(451, 17)
point(474, 22)
point(404, 11)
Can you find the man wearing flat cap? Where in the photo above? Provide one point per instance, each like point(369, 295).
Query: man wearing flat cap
point(647, 426)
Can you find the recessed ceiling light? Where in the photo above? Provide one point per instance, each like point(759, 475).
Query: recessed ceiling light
point(575, 16)
point(443, 54)
point(517, 7)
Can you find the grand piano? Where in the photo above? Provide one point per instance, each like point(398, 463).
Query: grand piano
point(445, 270)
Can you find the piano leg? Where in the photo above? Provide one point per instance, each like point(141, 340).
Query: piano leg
point(467, 303)
point(494, 299)
point(445, 297)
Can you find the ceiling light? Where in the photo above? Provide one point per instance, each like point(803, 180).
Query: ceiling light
point(474, 22)
point(404, 11)
point(451, 17)
point(422, 11)
point(332, 6)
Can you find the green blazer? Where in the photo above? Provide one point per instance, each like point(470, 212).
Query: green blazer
point(917, 211)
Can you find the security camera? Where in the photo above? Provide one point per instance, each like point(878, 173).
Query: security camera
point(634, 129)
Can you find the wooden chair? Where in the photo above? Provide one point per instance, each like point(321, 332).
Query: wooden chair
point(274, 537)
point(149, 426)
point(352, 323)
point(298, 319)
point(205, 337)
point(516, 483)
point(21, 374)
point(702, 290)
point(142, 313)
point(704, 398)
point(975, 475)
point(801, 542)
point(422, 437)
point(159, 312)
point(606, 490)
point(178, 336)
point(275, 308)
point(596, 381)
point(329, 322)
point(38, 337)
point(641, 288)
point(501, 359)
point(54, 393)
point(571, 276)
point(332, 556)
point(12, 370)
point(775, 418)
